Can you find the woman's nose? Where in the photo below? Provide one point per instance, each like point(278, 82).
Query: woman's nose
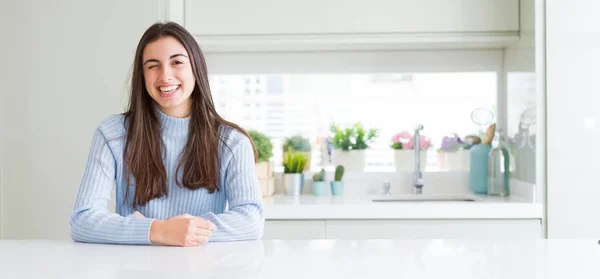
point(166, 74)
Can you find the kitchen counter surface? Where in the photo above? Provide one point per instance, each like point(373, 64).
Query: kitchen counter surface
point(305, 259)
point(281, 207)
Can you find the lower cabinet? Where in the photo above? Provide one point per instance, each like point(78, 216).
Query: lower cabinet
point(403, 229)
point(294, 229)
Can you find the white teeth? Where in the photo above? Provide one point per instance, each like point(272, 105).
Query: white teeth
point(168, 88)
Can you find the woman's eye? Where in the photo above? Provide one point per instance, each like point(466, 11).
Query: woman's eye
point(151, 67)
point(177, 62)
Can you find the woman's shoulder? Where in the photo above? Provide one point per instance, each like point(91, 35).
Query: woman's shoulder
point(112, 126)
point(232, 137)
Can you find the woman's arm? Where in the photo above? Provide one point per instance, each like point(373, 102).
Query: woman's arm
point(245, 219)
point(91, 221)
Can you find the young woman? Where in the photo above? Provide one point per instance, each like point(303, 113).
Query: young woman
point(183, 174)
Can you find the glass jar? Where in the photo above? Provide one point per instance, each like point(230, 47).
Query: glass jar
point(499, 167)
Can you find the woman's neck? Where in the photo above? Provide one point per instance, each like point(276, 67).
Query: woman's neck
point(173, 123)
point(181, 111)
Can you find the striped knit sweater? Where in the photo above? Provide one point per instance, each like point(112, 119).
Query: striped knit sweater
point(236, 209)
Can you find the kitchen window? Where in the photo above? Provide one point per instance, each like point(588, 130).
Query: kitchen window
point(378, 89)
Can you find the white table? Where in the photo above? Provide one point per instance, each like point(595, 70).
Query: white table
point(305, 259)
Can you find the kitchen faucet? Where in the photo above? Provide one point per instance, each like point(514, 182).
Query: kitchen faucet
point(417, 175)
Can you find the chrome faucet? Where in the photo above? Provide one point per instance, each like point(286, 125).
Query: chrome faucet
point(417, 175)
point(387, 188)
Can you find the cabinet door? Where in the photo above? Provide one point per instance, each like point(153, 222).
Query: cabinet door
point(269, 17)
point(292, 229)
point(428, 229)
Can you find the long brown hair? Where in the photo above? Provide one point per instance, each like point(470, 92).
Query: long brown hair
point(144, 148)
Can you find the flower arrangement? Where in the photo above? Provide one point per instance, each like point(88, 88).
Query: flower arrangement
point(406, 140)
point(452, 143)
point(454, 153)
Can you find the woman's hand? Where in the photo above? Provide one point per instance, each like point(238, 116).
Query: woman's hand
point(182, 230)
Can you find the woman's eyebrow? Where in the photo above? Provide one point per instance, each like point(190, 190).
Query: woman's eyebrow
point(179, 54)
point(172, 56)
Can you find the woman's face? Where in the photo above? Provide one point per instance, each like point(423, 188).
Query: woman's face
point(168, 76)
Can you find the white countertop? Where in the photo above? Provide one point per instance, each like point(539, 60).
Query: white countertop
point(362, 207)
point(305, 259)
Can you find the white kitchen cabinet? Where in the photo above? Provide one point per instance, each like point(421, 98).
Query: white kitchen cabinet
point(404, 229)
point(233, 17)
point(294, 229)
point(433, 229)
point(231, 25)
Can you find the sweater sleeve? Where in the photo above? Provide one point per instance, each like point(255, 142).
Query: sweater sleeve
point(91, 221)
point(244, 220)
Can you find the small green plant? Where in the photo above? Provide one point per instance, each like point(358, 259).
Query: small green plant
point(353, 138)
point(297, 143)
point(339, 173)
point(263, 144)
point(319, 176)
point(294, 162)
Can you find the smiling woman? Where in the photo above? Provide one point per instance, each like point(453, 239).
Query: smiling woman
point(191, 171)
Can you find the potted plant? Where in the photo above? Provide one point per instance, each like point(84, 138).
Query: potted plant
point(349, 145)
point(293, 179)
point(337, 186)
point(264, 166)
point(453, 155)
point(319, 185)
point(299, 144)
point(404, 156)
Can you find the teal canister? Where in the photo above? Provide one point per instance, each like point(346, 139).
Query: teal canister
point(478, 174)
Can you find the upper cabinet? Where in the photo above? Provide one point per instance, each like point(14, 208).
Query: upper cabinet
point(284, 17)
point(227, 23)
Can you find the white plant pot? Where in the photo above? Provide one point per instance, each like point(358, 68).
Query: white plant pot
point(458, 161)
point(404, 160)
point(293, 184)
point(352, 160)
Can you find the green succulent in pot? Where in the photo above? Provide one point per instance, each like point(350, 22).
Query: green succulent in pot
point(293, 178)
point(298, 144)
point(337, 186)
point(319, 185)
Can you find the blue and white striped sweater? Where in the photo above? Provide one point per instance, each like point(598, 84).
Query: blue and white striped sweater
point(236, 209)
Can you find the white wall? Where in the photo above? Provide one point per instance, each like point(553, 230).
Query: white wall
point(11, 55)
point(68, 64)
point(573, 114)
point(5, 19)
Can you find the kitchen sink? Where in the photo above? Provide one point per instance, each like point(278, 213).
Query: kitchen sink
point(425, 198)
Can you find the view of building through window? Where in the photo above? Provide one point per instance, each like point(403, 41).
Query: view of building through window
point(307, 104)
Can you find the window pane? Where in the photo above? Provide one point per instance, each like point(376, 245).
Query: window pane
point(307, 104)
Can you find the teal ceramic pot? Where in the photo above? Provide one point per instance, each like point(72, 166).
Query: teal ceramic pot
point(319, 188)
point(337, 188)
point(478, 174)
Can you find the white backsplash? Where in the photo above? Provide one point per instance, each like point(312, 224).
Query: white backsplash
point(371, 183)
